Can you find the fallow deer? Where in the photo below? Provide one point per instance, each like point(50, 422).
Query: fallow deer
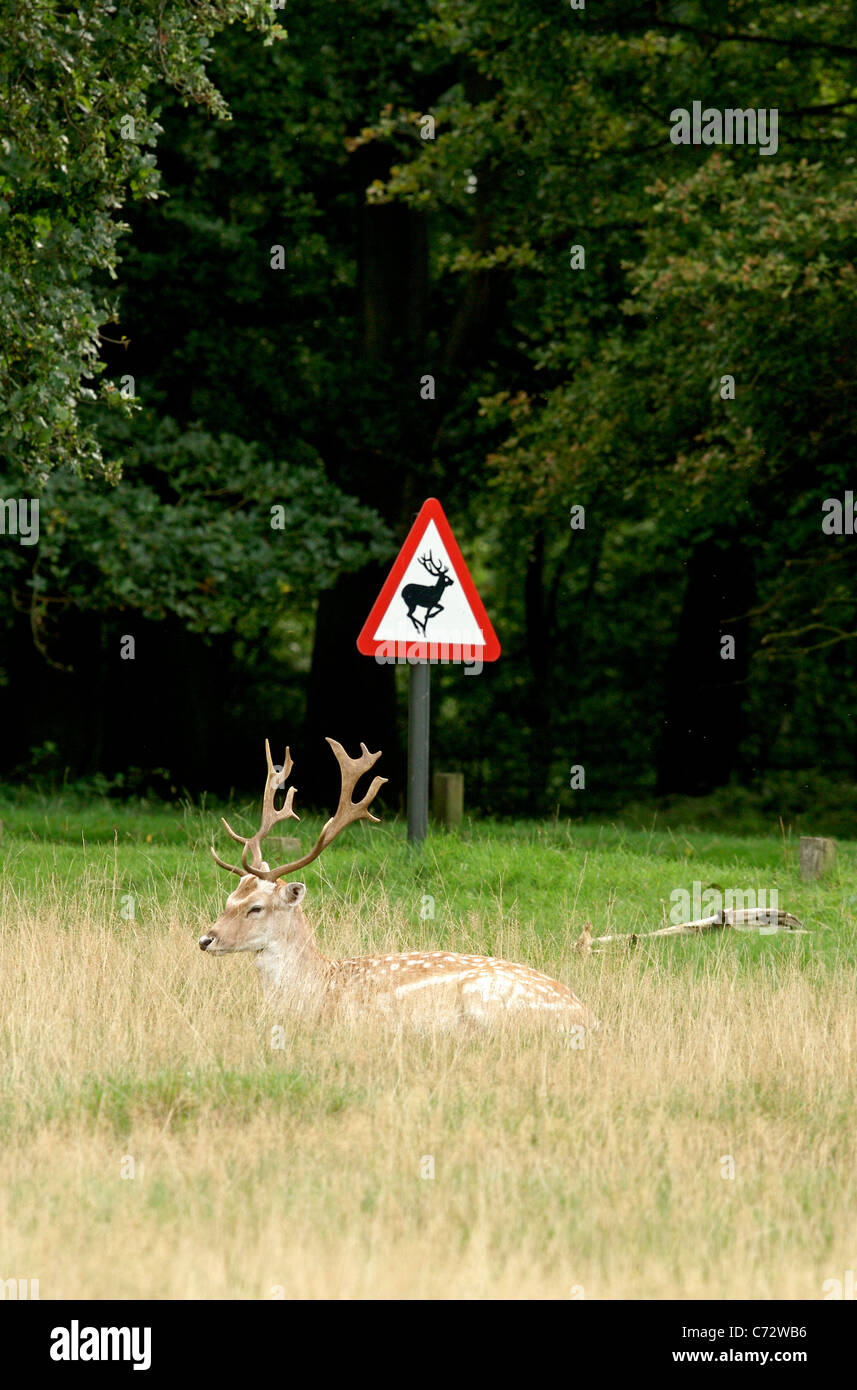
point(264, 915)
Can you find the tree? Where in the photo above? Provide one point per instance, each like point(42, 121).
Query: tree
point(700, 262)
point(77, 143)
point(584, 293)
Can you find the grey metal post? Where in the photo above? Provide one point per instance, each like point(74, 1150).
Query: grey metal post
point(418, 751)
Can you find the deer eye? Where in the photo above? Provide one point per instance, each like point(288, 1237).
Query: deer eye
point(257, 907)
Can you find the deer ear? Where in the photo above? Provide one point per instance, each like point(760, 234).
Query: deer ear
point(293, 893)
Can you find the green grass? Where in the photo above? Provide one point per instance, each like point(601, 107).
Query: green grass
point(548, 876)
point(296, 1166)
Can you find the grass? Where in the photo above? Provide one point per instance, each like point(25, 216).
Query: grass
point(271, 1158)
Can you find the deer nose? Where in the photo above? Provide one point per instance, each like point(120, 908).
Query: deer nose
point(205, 942)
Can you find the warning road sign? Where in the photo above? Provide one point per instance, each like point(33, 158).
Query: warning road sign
point(429, 600)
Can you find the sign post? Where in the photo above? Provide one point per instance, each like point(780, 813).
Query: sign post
point(427, 612)
point(419, 711)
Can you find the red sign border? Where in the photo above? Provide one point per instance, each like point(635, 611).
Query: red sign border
point(431, 510)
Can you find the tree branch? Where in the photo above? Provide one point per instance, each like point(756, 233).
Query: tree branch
point(676, 27)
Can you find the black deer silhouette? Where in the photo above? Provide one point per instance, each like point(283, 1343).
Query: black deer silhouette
point(426, 595)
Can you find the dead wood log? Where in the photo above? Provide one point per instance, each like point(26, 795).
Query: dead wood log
point(736, 919)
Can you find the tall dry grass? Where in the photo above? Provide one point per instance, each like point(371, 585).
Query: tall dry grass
point(263, 1170)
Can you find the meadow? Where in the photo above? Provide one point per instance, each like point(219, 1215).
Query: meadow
point(164, 1134)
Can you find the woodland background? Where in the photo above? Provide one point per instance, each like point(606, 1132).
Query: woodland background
point(150, 257)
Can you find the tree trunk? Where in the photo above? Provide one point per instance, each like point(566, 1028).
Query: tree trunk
point(540, 663)
point(703, 724)
point(350, 697)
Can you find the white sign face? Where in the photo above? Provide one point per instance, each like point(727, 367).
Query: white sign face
point(429, 603)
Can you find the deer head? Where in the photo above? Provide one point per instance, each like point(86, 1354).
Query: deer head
point(256, 913)
point(264, 913)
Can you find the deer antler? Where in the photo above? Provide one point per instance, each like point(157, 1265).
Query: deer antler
point(433, 566)
point(351, 770)
point(270, 816)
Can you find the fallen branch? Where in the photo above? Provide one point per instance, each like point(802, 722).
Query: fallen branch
point(731, 919)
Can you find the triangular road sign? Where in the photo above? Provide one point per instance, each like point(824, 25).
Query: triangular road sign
point(429, 600)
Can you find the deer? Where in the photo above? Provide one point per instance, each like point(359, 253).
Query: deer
point(264, 916)
point(427, 596)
